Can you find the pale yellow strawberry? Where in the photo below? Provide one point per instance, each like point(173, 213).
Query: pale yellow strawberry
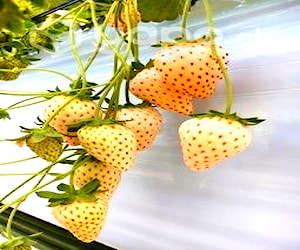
point(207, 141)
point(191, 67)
point(94, 169)
point(113, 144)
point(84, 220)
point(144, 121)
point(71, 140)
point(64, 110)
point(150, 86)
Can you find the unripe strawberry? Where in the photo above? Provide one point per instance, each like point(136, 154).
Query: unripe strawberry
point(22, 247)
point(48, 149)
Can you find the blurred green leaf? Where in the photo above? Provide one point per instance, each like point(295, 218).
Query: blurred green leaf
point(160, 10)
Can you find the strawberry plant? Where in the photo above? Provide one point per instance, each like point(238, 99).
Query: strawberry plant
point(90, 133)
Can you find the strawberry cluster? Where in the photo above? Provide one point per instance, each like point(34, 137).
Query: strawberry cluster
point(179, 74)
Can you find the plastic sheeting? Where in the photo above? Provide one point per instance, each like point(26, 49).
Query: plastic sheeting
point(251, 201)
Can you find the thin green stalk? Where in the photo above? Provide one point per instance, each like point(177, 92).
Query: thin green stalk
point(130, 30)
point(60, 177)
point(14, 106)
point(93, 56)
point(186, 9)
point(114, 101)
point(25, 93)
point(75, 50)
point(99, 44)
point(23, 183)
point(9, 204)
point(44, 27)
point(102, 98)
point(110, 85)
point(46, 124)
point(22, 101)
point(102, 34)
point(116, 58)
point(135, 47)
point(47, 170)
point(17, 161)
point(37, 69)
point(10, 221)
point(24, 174)
point(81, 159)
point(212, 35)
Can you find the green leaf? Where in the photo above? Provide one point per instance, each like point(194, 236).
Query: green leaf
point(160, 10)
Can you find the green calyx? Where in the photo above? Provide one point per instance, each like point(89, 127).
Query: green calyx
point(91, 122)
point(68, 195)
point(233, 116)
point(22, 242)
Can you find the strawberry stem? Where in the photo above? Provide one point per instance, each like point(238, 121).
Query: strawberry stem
point(17, 161)
point(186, 8)
point(17, 106)
point(70, 12)
point(102, 34)
point(10, 220)
point(75, 50)
point(212, 36)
